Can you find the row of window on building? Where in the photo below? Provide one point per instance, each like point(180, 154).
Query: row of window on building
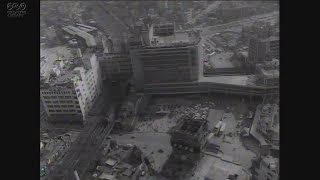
point(65, 110)
point(62, 106)
point(56, 92)
point(61, 102)
point(59, 97)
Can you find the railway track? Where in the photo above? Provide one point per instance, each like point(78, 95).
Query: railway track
point(84, 151)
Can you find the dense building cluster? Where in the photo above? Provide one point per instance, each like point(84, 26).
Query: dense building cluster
point(196, 96)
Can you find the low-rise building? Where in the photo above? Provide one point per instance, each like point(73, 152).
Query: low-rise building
point(115, 66)
point(265, 127)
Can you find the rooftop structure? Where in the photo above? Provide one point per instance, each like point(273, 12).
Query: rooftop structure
point(268, 72)
point(163, 29)
point(222, 60)
point(175, 39)
point(265, 127)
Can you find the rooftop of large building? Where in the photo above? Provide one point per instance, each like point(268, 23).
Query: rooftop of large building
point(177, 39)
point(222, 60)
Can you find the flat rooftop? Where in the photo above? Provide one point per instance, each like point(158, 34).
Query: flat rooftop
point(221, 60)
point(178, 38)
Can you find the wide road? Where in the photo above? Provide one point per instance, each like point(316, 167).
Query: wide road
point(108, 22)
point(237, 25)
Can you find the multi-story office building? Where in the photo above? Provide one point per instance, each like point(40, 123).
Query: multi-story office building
point(71, 90)
point(163, 56)
point(268, 73)
point(115, 66)
point(260, 49)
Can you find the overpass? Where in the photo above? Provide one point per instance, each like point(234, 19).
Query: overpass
point(239, 85)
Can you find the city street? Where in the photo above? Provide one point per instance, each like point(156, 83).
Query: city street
point(236, 26)
point(211, 7)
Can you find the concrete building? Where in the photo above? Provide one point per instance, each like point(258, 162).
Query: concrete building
point(165, 56)
point(72, 89)
point(163, 29)
point(268, 72)
point(262, 49)
point(265, 127)
point(115, 66)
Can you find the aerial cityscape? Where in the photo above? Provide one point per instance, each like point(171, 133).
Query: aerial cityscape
point(159, 90)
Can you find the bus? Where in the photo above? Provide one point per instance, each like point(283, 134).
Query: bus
point(217, 127)
point(223, 127)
